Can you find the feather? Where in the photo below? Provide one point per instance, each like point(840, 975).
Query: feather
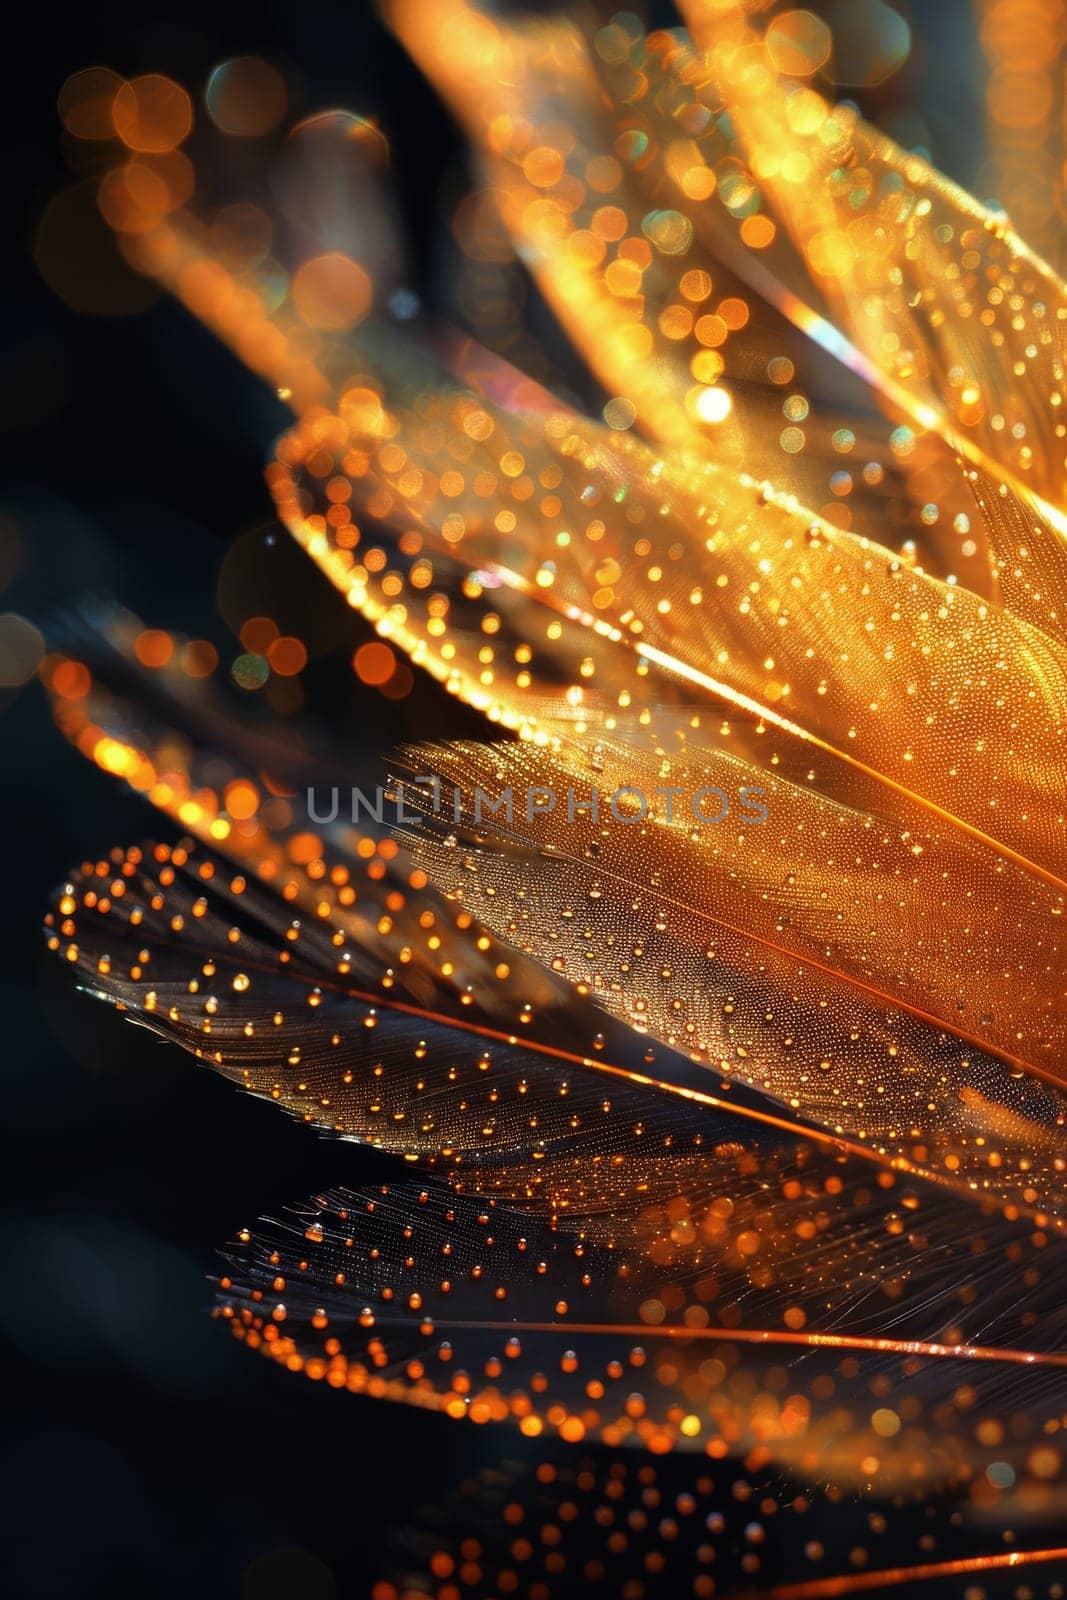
point(722, 946)
point(481, 1312)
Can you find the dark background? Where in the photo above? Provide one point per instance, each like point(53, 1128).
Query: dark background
point(144, 1450)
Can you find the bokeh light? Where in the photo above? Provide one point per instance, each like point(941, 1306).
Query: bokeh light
point(246, 97)
point(75, 252)
point(152, 114)
point(154, 648)
point(799, 42)
point(21, 650)
point(871, 41)
point(250, 671)
point(287, 656)
point(85, 103)
point(331, 292)
point(374, 663)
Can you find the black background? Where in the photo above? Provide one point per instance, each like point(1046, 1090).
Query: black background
point(145, 1451)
